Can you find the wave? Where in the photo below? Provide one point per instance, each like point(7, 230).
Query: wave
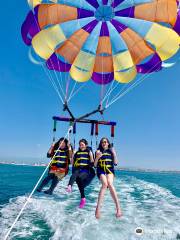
point(145, 205)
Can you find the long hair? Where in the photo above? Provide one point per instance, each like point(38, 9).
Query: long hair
point(56, 146)
point(100, 148)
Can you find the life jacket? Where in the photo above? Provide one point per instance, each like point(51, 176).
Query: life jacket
point(82, 159)
point(106, 162)
point(60, 161)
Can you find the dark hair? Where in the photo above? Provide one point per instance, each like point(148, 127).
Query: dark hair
point(83, 141)
point(100, 144)
point(56, 146)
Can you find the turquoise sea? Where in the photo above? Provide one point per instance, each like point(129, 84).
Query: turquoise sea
point(149, 200)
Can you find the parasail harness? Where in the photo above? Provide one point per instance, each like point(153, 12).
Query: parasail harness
point(84, 119)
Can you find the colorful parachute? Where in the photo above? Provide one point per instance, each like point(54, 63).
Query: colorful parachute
point(103, 40)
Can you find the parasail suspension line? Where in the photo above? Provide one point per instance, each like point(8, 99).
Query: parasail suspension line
point(29, 197)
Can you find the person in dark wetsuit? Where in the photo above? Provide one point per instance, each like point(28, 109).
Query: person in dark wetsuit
point(82, 171)
point(105, 161)
point(60, 152)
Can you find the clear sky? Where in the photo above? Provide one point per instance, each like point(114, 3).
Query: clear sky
point(148, 132)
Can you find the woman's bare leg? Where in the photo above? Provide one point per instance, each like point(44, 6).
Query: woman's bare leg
point(101, 195)
point(110, 178)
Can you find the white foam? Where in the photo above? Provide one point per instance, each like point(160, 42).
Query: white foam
point(144, 205)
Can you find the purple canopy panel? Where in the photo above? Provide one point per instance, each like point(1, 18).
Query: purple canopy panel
point(153, 65)
point(119, 26)
point(105, 2)
point(128, 12)
point(30, 27)
point(104, 30)
point(90, 26)
point(177, 24)
point(93, 3)
point(53, 63)
point(102, 78)
point(82, 13)
point(115, 3)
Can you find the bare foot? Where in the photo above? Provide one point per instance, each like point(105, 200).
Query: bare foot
point(97, 213)
point(118, 213)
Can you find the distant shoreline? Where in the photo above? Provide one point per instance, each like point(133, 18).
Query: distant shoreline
point(117, 168)
point(25, 164)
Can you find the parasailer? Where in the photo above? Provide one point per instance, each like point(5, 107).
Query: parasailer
point(105, 160)
point(82, 169)
point(61, 154)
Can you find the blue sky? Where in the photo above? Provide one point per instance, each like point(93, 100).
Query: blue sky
point(148, 131)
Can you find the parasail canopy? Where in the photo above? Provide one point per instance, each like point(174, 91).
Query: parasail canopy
point(103, 40)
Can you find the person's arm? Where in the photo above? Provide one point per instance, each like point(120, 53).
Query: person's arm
point(114, 156)
point(98, 156)
point(73, 158)
point(91, 157)
point(70, 151)
point(51, 151)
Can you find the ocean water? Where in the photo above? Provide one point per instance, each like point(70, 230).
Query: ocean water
point(149, 200)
